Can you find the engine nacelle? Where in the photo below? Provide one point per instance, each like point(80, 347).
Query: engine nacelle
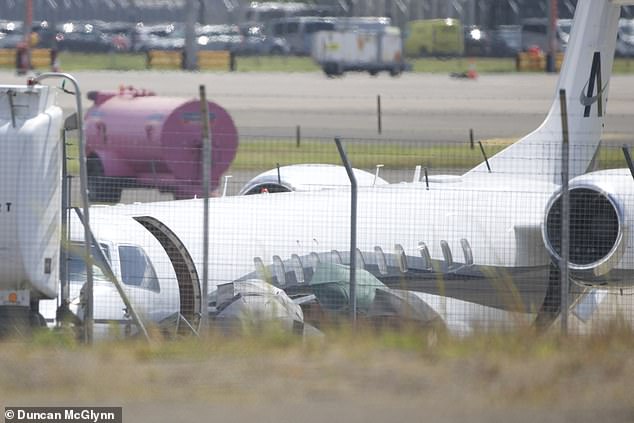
point(601, 212)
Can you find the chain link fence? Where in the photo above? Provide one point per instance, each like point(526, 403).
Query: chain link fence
point(441, 241)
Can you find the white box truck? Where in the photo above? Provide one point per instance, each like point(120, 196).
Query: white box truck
point(341, 51)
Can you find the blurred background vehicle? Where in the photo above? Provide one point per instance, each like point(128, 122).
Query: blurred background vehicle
point(625, 38)
point(499, 28)
point(218, 37)
point(161, 36)
point(506, 40)
point(298, 31)
point(535, 33)
point(434, 37)
point(477, 41)
point(255, 41)
point(84, 37)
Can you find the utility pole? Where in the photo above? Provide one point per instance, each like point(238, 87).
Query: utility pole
point(25, 60)
point(191, 50)
point(551, 56)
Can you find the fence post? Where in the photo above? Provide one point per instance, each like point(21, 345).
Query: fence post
point(565, 214)
point(378, 114)
point(206, 136)
point(353, 232)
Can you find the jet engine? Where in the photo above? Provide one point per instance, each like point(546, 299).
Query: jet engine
point(601, 211)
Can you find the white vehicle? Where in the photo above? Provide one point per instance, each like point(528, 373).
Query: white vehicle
point(30, 200)
point(373, 51)
point(625, 39)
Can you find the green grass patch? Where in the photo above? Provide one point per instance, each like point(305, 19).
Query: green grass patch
point(461, 64)
point(276, 64)
point(71, 61)
point(265, 154)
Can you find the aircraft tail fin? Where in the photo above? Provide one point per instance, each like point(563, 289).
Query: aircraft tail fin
point(584, 76)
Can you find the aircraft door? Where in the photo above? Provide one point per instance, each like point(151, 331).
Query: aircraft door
point(191, 304)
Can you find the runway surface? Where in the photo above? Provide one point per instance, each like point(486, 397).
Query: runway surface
point(417, 107)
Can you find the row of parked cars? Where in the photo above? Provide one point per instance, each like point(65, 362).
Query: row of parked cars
point(293, 35)
point(98, 36)
point(508, 40)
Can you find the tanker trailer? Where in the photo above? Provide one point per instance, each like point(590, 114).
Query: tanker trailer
point(136, 138)
point(30, 203)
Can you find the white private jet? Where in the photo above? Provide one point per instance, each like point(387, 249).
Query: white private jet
point(486, 238)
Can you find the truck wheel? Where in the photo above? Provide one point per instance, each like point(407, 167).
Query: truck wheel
point(330, 69)
point(395, 71)
point(373, 72)
point(100, 187)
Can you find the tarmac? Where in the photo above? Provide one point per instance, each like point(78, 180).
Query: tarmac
point(422, 108)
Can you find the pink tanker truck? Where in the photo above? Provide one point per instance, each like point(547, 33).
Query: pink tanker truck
point(136, 138)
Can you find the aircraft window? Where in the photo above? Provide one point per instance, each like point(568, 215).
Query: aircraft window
point(280, 273)
point(270, 188)
point(314, 260)
point(466, 249)
point(380, 260)
point(360, 260)
point(424, 253)
point(401, 258)
point(336, 257)
point(76, 265)
point(137, 269)
point(298, 268)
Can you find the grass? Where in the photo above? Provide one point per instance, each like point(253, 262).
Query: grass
point(260, 154)
point(136, 61)
point(506, 372)
point(266, 153)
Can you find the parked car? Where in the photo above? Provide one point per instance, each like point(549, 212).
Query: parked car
point(506, 40)
point(625, 38)
point(535, 33)
point(256, 42)
point(477, 41)
point(298, 31)
point(84, 37)
point(434, 37)
point(119, 34)
point(165, 36)
point(10, 34)
point(218, 37)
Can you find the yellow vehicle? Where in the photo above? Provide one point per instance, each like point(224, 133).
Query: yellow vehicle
point(434, 37)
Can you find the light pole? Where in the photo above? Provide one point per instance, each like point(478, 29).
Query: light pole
point(552, 36)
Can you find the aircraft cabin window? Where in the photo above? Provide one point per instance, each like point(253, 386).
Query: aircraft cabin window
point(76, 265)
point(380, 260)
point(137, 269)
point(401, 258)
point(280, 273)
point(298, 268)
